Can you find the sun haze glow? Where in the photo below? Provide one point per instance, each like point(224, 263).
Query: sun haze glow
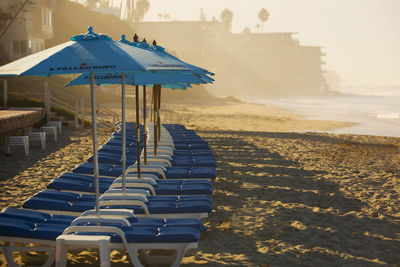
point(361, 37)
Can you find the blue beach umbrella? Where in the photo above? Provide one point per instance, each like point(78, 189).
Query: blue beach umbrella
point(90, 53)
point(162, 53)
point(164, 57)
point(160, 72)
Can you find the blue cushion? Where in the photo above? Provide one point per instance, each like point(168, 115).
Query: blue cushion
point(167, 207)
point(194, 163)
point(203, 172)
point(194, 223)
point(57, 195)
point(179, 198)
point(47, 231)
point(177, 173)
point(178, 235)
point(73, 185)
point(185, 182)
point(196, 189)
point(85, 177)
point(23, 214)
point(65, 201)
point(131, 152)
point(138, 236)
point(15, 227)
point(103, 158)
point(104, 169)
point(183, 190)
point(46, 204)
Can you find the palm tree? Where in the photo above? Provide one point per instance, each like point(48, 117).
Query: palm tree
point(246, 30)
point(258, 26)
point(142, 6)
point(167, 16)
point(263, 15)
point(131, 5)
point(202, 15)
point(226, 17)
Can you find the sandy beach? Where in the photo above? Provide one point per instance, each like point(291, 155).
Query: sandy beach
point(285, 195)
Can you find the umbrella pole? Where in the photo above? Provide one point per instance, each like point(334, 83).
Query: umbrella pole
point(137, 132)
point(123, 134)
point(144, 126)
point(155, 118)
point(95, 156)
point(158, 112)
point(151, 106)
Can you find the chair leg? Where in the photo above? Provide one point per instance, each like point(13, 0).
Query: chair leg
point(43, 141)
point(26, 146)
point(8, 252)
point(104, 253)
point(61, 254)
point(9, 258)
point(134, 258)
point(8, 147)
point(180, 253)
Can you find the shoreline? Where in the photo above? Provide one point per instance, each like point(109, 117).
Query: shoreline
point(362, 122)
point(245, 117)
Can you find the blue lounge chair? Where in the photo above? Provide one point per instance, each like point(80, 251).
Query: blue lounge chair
point(126, 232)
point(85, 183)
point(142, 204)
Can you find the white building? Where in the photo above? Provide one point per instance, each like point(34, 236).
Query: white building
point(27, 34)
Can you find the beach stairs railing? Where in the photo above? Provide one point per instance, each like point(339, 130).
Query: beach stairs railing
point(80, 107)
point(54, 95)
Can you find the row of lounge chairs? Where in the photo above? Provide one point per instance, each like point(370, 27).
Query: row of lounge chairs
point(159, 210)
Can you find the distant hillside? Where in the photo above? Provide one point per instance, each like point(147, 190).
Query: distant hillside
point(72, 18)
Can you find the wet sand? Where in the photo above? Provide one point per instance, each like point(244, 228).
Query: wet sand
point(283, 196)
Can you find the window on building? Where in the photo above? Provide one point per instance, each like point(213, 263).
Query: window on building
point(20, 47)
point(16, 47)
point(23, 47)
point(44, 17)
point(50, 18)
point(47, 17)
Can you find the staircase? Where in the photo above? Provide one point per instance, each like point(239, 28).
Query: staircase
point(80, 106)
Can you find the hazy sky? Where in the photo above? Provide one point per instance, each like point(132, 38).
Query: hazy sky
point(362, 37)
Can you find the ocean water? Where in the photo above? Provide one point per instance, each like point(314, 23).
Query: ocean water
point(375, 111)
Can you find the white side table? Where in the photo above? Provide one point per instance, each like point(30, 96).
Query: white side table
point(50, 130)
point(58, 124)
point(38, 136)
point(64, 242)
point(17, 141)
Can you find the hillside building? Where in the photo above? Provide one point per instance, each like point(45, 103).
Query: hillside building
point(244, 62)
point(27, 34)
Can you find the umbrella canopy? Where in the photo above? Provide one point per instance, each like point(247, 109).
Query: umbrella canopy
point(160, 51)
point(144, 78)
point(90, 53)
